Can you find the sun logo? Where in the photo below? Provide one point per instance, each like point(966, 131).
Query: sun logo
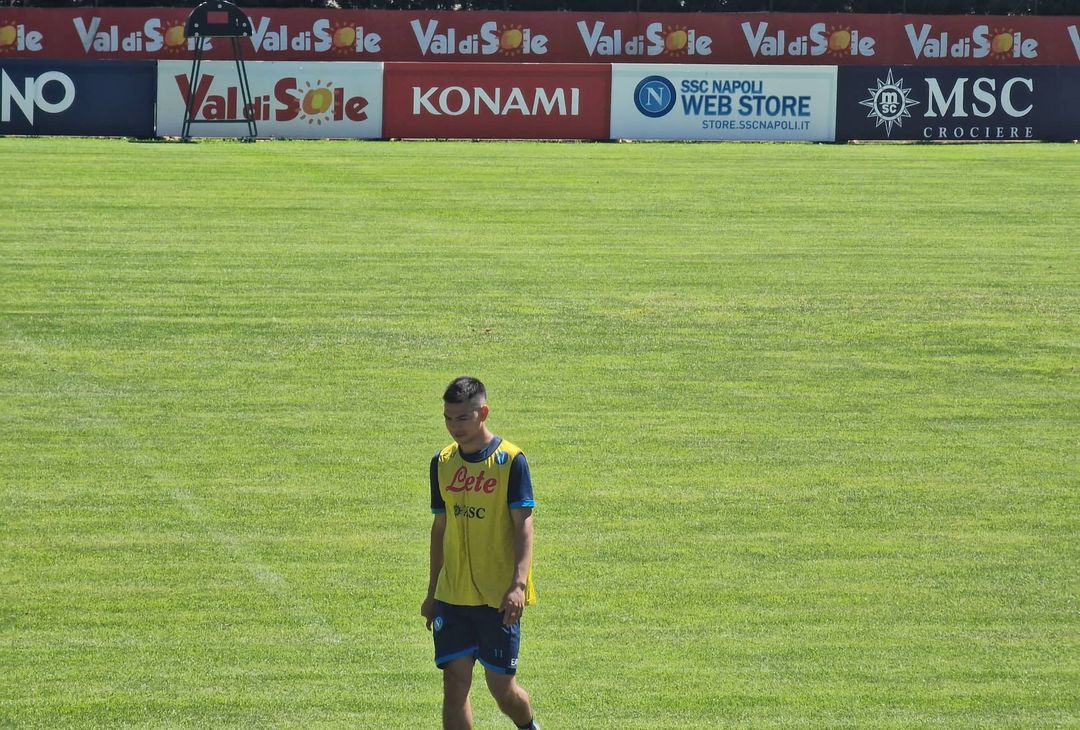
point(316, 102)
point(1001, 43)
point(839, 41)
point(675, 40)
point(8, 35)
point(174, 39)
point(511, 40)
point(343, 39)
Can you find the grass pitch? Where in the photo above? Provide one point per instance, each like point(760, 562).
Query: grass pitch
point(803, 423)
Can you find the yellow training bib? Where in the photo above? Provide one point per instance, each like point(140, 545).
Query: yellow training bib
point(478, 545)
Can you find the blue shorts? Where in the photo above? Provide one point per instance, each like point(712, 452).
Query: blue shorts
point(477, 632)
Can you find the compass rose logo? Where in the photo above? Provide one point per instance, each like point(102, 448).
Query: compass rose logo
point(889, 103)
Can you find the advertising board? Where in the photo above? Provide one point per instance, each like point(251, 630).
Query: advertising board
point(981, 104)
point(320, 34)
point(315, 100)
point(1069, 113)
point(747, 103)
point(497, 101)
point(77, 98)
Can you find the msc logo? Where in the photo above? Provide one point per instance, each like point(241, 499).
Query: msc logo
point(469, 512)
point(889, 103)
point(59, 97)
point(654, 96)
point(959, 103)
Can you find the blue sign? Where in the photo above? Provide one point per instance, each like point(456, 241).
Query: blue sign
point(91, 98)
point(1069, 112)
point(953, 103)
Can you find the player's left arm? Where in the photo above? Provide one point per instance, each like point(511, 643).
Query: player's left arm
point(513, 603)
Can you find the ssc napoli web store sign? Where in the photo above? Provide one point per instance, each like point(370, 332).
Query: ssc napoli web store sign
point(115, 98)
point(298, 100)
point(746, 103)
point(980, 104)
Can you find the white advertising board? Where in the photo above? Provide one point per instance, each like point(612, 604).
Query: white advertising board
point(299, 100)
point(708, 102)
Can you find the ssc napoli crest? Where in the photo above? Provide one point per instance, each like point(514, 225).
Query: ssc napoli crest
point(501, 457)
point(654, 96)
point(437, 624)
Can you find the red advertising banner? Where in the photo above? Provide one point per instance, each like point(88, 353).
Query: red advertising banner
point(497, 100)
point(554, 37)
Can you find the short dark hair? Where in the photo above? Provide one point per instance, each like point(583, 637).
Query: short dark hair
point(465, 390)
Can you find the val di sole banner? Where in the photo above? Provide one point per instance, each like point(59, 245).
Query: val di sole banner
point(290, 100)
point(981, 104)
point(113, 98)
point(744, 103)
point(295, 34)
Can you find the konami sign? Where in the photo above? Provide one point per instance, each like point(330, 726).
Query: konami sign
point(456, 101)
point(497, 101)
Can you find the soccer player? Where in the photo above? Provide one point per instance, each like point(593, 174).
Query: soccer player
point(481, 559)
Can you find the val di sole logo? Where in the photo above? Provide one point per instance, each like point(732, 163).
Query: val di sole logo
point(654, 96)
point(889, 103)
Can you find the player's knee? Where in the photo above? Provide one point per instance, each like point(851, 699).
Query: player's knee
point(506, 691)
point(455, 689)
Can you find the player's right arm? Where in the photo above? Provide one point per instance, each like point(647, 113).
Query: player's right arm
point(438, 529)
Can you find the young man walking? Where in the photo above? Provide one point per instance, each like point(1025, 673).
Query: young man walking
point(481, 559)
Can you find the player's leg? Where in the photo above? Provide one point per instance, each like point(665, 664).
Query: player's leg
point(498, 652)
point(457, 680)
point(456, 644)
point(512, 699)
